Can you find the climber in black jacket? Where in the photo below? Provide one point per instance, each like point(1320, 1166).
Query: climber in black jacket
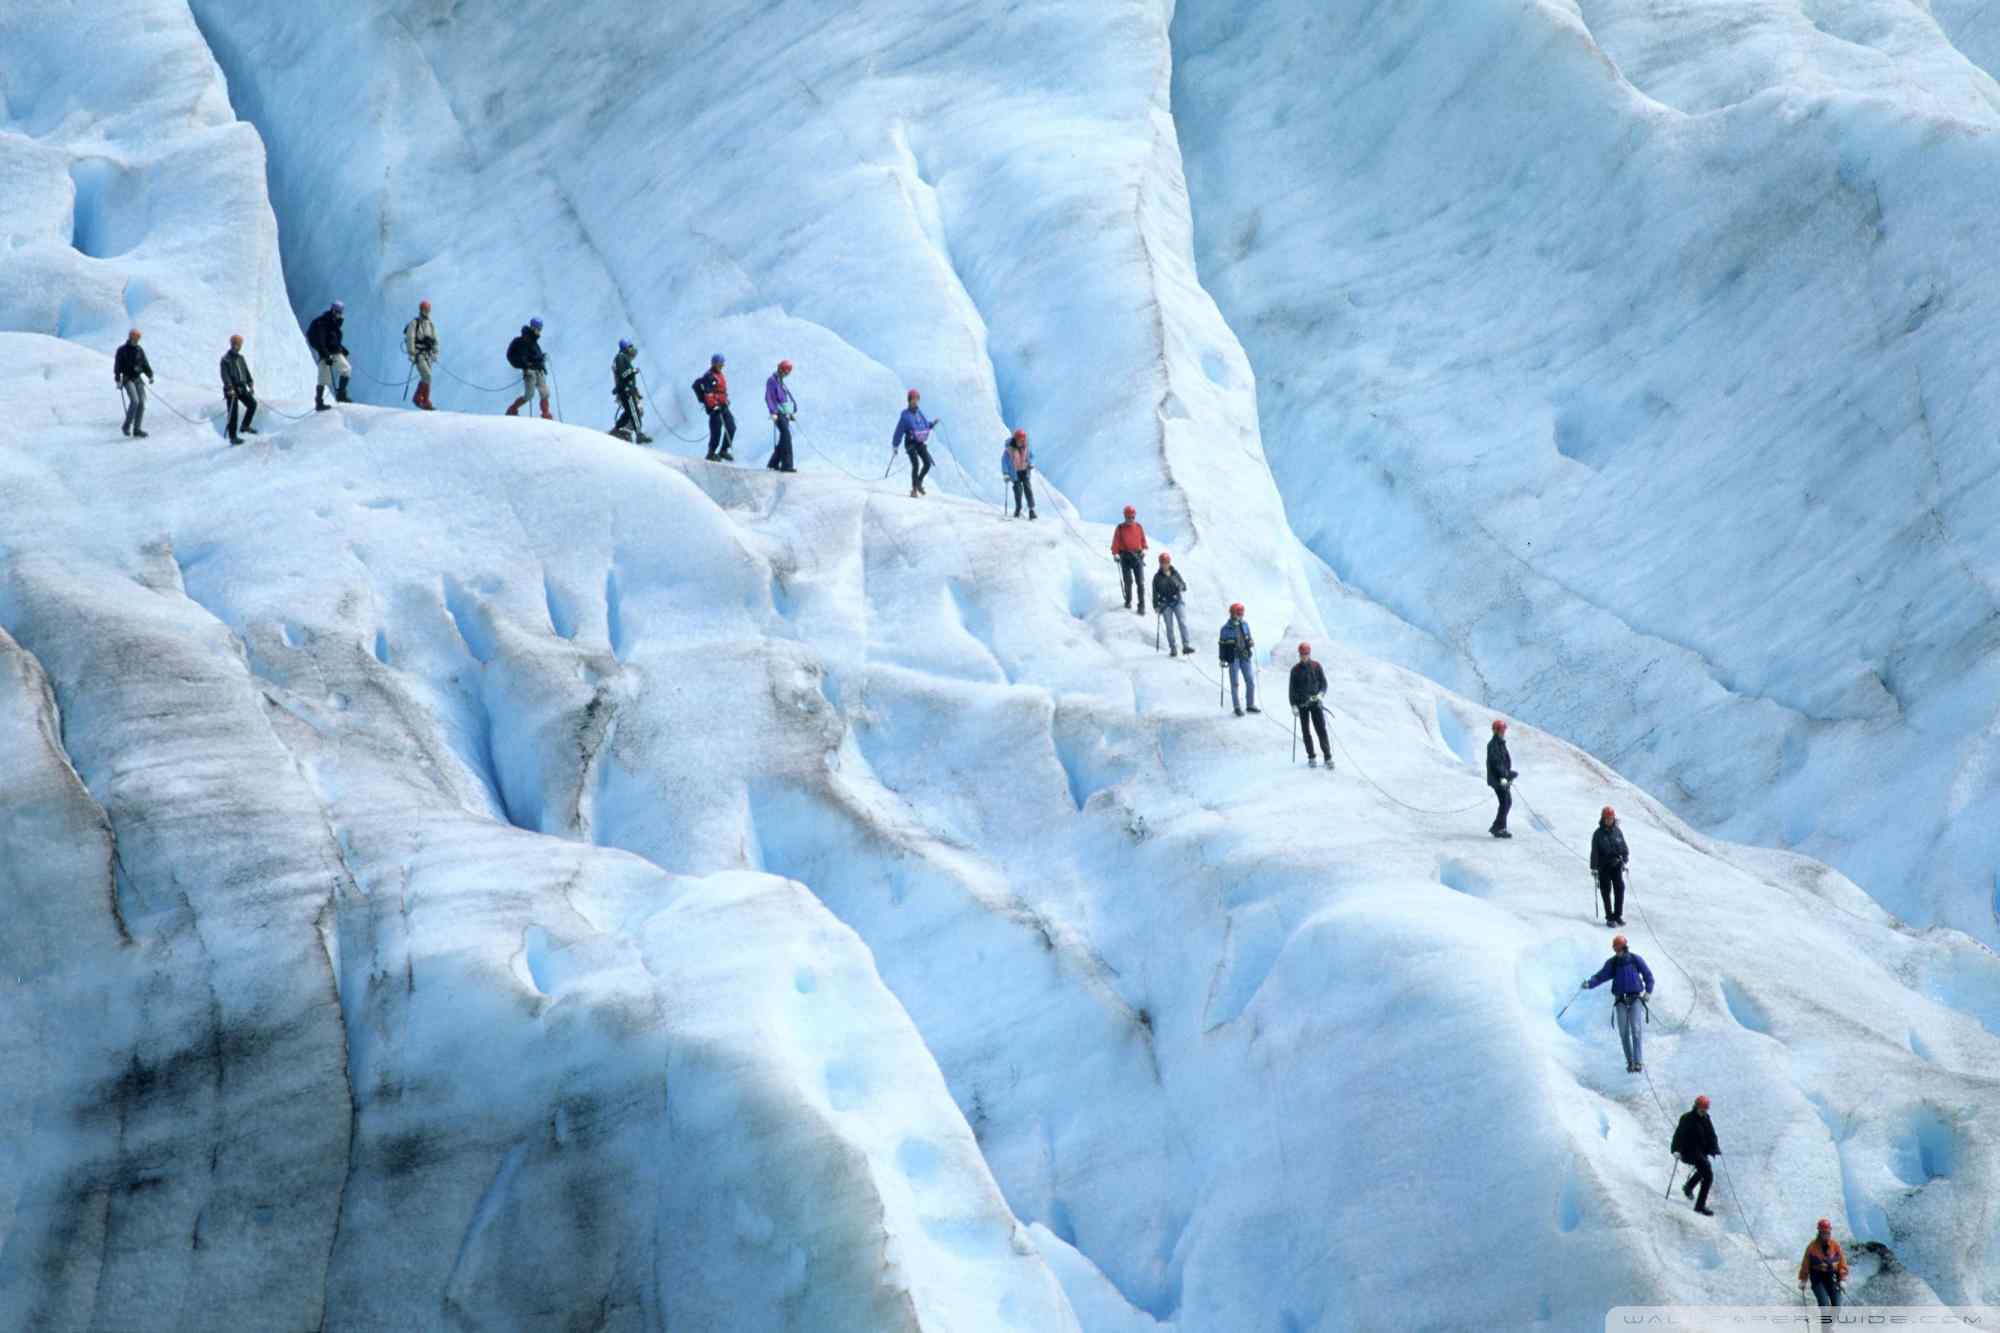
point(1500, 777)
point(1694, 1143)
point(1308, 686)
point(1607, 862)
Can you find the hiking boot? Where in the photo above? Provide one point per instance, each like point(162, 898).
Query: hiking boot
point(1706, 1212)
point(1311, 762)
point(915, 492)
point(645, 438)
point(249, 430)
point(1031, 516)
point(235, 440)
point(1687, 1190)
point(1500, 833)
point(1253, 708)
point(138, 434)
point(125, 429)
point(711, 456)
point(1239, 712)
point(1187, 650)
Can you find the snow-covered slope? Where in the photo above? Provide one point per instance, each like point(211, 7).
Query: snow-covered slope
point(134, 195)
point(1638, 355)
point(498, 732)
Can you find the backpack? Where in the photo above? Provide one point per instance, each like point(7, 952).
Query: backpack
point(516, 354)
point(1226, 642)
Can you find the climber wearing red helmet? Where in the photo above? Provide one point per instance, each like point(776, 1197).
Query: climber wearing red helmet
point(1631, 982)
point(1608, 855)
point(1236, 648)
point(420, 345)
point(1500, 777)
point(1128, 548)
point(1308, 685)
point(1824, 1266)
point(1168, 587)
point(914, 431)
point(784, 409)
point(1694, 1143)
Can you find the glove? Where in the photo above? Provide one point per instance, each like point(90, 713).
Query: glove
point(1511, 775)
point(774, 418)
point(228, 395)
point(1802, 1286)
point(149, 377)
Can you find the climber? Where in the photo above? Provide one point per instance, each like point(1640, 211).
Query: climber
point(913, 432)
point(631, 422)
point(1607, 861)
point(784, 409)
point(1017, 461)
point(128, 363)
point(1308, 686)
point(1235, 647)
point(1631, 983)
point(323, 335)
point(1168, 589)
point(1694, 1143)
point(1824, 1267)
point(1500, 777)
point(420, 344)
point(1128, 548)
point(239, 390)
point(525, 354)
point(712, 391)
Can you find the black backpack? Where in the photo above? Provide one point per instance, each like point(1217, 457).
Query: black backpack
point(517, 354)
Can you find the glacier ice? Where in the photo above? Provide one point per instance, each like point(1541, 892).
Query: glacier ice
point(473, 873)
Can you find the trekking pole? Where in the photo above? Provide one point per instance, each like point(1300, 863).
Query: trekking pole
point(1671, 1173)
point(1295, 736)
point(1567, 1003)
point(892, 463)
point(406, 380)
point(1158, 616)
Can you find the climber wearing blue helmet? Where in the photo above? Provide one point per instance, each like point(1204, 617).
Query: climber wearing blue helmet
point(712, 390)
point(625, 388)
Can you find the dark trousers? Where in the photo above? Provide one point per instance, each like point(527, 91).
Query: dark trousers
point(248, 402)
point(1611, 887)
point(1506, 803)
point(721, 430)
point(781, 453)
point(920, 463)
point(1133, 576)
point(1314, 716)
point(1703, 1176)
point(629, 414)
point(1826, 1291)
point(1023, 491)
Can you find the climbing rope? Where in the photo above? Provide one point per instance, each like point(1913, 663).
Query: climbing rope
point(684, 439)
point(156, 395)
point(505, 388)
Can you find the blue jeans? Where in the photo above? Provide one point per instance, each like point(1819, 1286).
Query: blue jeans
point(1631, 1028)
point(1248, 670)
point(1826, 1291)
point(1170, 613)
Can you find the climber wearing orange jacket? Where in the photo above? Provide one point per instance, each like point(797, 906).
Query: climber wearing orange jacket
point(1128, 548)
point(1824, 1267)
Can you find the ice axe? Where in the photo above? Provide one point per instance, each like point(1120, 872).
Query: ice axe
point(1567, 1003)
point(1672, 1171)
